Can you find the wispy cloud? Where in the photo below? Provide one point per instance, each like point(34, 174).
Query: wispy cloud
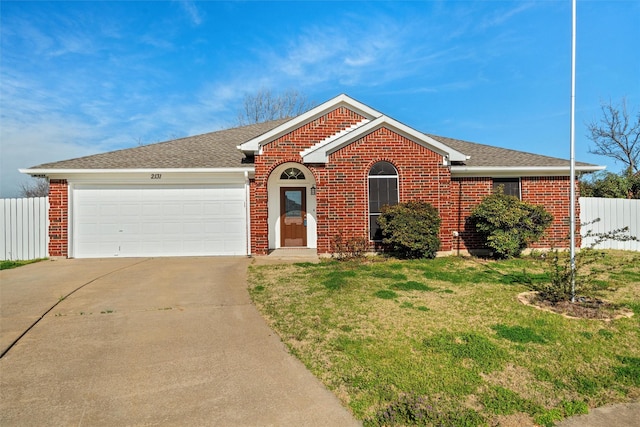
point(349, 53)
point(500, 17)
point(192, 12)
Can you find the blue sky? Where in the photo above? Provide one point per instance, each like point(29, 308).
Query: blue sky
point(79, 78)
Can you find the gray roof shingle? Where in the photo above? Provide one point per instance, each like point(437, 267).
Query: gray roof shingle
point(209, 150)
point(219, 150)
point(488, 155)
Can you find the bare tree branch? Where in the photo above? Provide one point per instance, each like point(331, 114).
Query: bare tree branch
point(617, 135)
point(265, 106)
point(38, 187)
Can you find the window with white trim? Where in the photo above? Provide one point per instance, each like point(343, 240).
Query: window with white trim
point(292, 173)
point(383, 190)
point(510, 186)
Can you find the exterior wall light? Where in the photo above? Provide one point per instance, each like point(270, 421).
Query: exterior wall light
point(313, 190)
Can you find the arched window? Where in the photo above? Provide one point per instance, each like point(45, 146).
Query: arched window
point(383, 190)
point(292, 173)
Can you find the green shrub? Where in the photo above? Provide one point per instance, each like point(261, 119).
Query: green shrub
point(509, 224)
point(410, 230)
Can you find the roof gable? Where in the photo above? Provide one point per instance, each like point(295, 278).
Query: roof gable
point(374, 120)
point(253, 145)
point(320, 152)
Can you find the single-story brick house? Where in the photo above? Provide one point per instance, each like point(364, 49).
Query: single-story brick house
point(289, 183)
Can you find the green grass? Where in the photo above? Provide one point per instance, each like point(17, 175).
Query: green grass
point(6, 265)
point(446, 342)
point(523, 335)
point(411, 286)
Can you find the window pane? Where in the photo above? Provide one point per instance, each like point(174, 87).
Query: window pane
point(292, 173)
point(511, 186)
point(293, 203)
point(374, 198)
point(383, 190)
point(382, 168)
point(374, 229)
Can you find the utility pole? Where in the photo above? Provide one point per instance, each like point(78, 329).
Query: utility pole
point(572, 204)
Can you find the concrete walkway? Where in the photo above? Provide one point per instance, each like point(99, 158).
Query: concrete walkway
point(166, 341)
point(288, 256)
point(621, 415)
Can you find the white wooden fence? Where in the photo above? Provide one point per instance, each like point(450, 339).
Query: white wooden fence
point(613, 214)
point(25, 228)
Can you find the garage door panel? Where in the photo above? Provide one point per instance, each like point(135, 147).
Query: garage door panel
point(193, 228)
point(150, 209)
point(159, 221)
point(233, 208)
point(151, 247)
point(192, 209)
point(108, 210)
point(108, 229)
point(151, 228)
point(172, 228)
point(171, 209)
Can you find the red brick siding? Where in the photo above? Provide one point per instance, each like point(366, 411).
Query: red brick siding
point(554, 194)
point(58, 218)
point(466, 193)
point(342, 184)
point(550, 192)
point(287, 149)
point(421, 176)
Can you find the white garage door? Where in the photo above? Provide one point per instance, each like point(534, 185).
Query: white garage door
point(159, 220)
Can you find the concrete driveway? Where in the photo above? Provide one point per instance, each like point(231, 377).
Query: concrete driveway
point(161, 341)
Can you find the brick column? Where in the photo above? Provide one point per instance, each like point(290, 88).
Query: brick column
point(58, 218)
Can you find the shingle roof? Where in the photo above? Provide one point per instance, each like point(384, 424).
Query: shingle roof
point(219, 150)
point(488, 155)
point(209, 150)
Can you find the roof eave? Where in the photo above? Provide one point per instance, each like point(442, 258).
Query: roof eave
point(53, 171)
point(517, 171)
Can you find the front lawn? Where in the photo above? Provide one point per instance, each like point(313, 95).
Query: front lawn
point(446, 341)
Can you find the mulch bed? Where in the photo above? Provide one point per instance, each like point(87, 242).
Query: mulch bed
point(582, 308)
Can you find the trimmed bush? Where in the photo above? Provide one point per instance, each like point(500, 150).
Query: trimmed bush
point(508, 224)
point(410, 230)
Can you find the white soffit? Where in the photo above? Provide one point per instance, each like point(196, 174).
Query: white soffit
point(515, 171)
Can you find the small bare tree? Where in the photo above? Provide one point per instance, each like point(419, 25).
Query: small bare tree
point(37, 187)
point(617, 135)
point(265, 106)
